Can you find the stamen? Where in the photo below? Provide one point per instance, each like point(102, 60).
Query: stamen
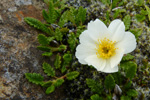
point(106, 48)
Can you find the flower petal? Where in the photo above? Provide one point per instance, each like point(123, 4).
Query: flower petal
point(128, 43)
point(98, 63)
point(117, 30)
point(108, 68)
point(115, 60)
point(83, 51)
point(85, 38)
point(97, 29)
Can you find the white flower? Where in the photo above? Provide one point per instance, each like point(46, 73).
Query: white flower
point(104, 47)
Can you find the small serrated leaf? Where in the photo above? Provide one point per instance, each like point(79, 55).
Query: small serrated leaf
point(64, 18)
point(37, 24)
point(43, 39)
point(131, 71)
point(148, 11)
point(50, 89)
point(128, 85)
point(137, 32)
point(46, 16)
point(58, 82)
point(67, 57)
point(127, 21)
point(44, 48)
point(94, 86)
point(115, 3)
point(63, 69)
point(34, 78)
point(47, 54)
point(127, 57)
point(57, 62)
point(49, 39)
point(60, 48)
point(118, 78)
point(48, 69)
point(58, 34)
point(132, 93)
point(140, 2)
point(81, 16)
point(140, 17)
point(47, 84)
point(96, 97)
point(125, 98)
point(109, 82)
point(130, 68)
point(72, 41)
point(72, 75)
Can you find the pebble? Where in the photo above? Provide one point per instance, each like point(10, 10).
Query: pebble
point(1, 20)
point(23, 2)
point(12, 9)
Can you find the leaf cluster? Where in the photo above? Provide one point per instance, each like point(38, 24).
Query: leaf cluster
point(118, 83)
point(57, 40)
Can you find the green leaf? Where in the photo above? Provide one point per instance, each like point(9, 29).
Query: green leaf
point(109, 97)
point(130, 69)
point(96, 97)
point(57, 62)
point(46, 16)
point(127, 21)
point(34, 78)
point(43, 39)
point(94, 86)
point(125, 98)
point(52, 12)
point(48, 69)
point(140, 2)
point(63, 69)
point(67, 57)
point(72, 75)
point(47, 84)
point(140, 17)
point(148, 11)
point(118, 77)
point(106, 2)
point(109, 82)
point(72, 41)
point(58, 82)
point(58, 34)
point(137, 32)
point(60, 48)
point(132, 93)
point(64, 18)
point(128, 85)
point(50, 89)
point(49, 39)
point(127, 57)
point(117, 12)
point(44, 48)
point(115, 3)
point(37, 24)
point(80, 29)
point(81, 16)
point(47, 54)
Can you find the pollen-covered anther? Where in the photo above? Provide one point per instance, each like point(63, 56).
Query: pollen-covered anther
point(106, 48)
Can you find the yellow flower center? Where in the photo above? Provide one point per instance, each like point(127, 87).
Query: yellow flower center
point(105, 48)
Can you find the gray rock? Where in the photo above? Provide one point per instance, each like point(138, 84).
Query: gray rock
point(13, 9)
point(23, 2)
